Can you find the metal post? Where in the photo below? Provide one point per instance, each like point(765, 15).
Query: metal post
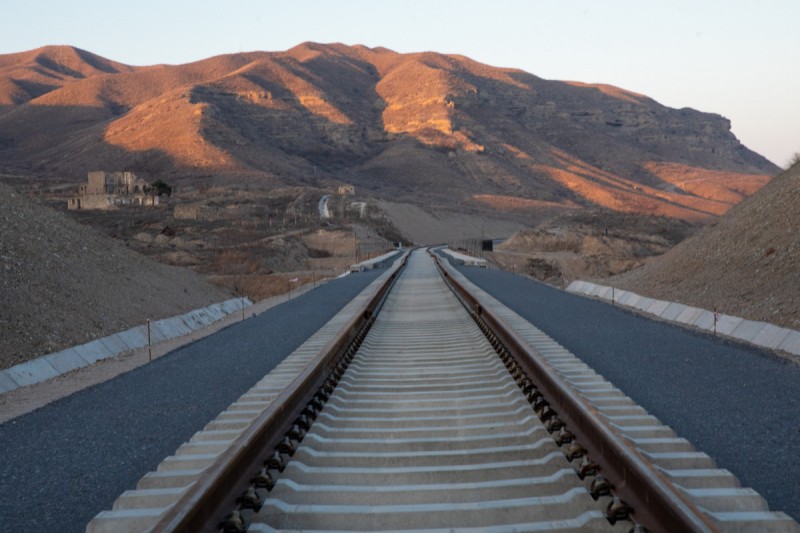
point(612, 295)
point(241, 298)
point(149, 344)
point(716, 316)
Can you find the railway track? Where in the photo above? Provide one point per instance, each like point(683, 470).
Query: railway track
point(425, 408)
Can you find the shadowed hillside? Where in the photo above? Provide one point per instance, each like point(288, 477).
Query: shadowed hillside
point(747, 263)
point(423, 128)
point(63, 284)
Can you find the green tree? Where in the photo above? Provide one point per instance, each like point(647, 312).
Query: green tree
point(159, 187)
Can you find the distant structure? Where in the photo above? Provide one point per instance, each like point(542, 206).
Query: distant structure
point(346, 190)
point(109, 190)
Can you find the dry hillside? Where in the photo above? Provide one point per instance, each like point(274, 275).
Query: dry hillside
point(423, 128)
point(588, 243)
point(747, 263)
point(63, 284)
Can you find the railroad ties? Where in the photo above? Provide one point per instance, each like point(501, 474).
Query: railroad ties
point(428, 430)
point(431, 426)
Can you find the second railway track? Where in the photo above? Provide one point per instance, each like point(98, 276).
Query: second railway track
point(436, 424)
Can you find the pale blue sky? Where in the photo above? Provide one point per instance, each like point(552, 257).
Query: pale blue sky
point(738, 58)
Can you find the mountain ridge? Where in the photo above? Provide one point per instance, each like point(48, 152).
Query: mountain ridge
point(389, 122)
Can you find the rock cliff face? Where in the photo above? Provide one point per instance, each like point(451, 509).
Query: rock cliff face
point(424, 127)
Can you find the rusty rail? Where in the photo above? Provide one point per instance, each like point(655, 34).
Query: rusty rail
point(205, 503)
point(653, 500)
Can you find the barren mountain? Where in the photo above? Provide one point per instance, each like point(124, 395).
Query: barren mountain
point(62, 283)
point(29, 75)
point(424, 127)
point(747, 263)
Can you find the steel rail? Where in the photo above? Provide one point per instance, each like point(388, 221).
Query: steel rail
point(205, 503)
point(653, 500)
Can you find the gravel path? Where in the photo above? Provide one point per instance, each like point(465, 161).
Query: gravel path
point(738, 404)
point(67, 461)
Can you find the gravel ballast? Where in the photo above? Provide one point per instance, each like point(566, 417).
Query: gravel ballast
point(739, 404)
point(67, 461)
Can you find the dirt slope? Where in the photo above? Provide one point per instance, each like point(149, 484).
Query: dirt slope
point(63, 284)
point(747, 263)
point(424, 128)
point(588, 244)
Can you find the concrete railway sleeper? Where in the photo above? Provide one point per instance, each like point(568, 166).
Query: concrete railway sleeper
point(433, 415)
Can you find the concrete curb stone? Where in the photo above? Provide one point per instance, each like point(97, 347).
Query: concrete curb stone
point(217, 312)
point(179, 326)
point(657, 307)
point(134, 338)
point(597, 290)
point(93, 351)
point(159, 332)
point(643, 303)
point(576, 286)
point(771, 336)
point(727, 323)
point(114, 344)
point(6, 383)
point(632, 300)
point(192, 320)
point(604, 292)
point(791, 343)
point(66, 360)
point(758, 333)
point(51, 365)
point(673, 311)
point(748, 330)
point(705, 320)
point(689, 315)
point(623, 297)
point(31, 372)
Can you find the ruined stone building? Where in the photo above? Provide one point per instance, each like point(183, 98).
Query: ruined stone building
point(109, 190)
